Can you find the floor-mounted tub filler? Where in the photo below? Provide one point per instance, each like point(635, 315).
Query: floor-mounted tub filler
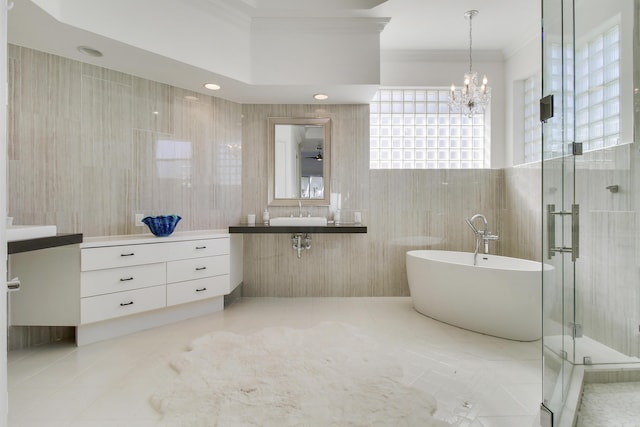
point(499, 296)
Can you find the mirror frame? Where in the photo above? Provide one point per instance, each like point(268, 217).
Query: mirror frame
point(326, 171)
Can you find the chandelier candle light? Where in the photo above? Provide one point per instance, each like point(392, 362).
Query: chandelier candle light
point(471, 98)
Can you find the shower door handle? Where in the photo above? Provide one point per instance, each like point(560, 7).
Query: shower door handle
point(575, 231)
point(551, 231)
point(13, 285)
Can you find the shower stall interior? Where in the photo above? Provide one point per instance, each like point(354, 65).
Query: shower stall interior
point(590, 197)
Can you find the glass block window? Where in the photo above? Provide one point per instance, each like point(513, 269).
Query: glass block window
point(597, 91)
point(532, 127)
point(553, 129)
point(412, 128)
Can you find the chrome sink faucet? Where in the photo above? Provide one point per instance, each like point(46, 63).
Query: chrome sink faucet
point(483, 234)
point(299, 210)
point(302, 213)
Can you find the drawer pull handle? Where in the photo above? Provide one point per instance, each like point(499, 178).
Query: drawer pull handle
point(123, 304)
point(201, 289)
point(126, 279)
point(200, 268)
point(129, 254)
point(201, 247)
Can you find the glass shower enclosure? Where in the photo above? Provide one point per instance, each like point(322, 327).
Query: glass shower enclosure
point(590, 195)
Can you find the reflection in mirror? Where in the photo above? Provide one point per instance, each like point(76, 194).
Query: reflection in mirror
point(299, 155)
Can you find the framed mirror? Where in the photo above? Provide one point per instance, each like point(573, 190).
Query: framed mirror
point(299, 161)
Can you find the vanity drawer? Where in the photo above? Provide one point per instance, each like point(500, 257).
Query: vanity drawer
point(122, 256)
point(193, 290)
point(196, 268)
point(198, 248)
point(103, 307)
point(98, 282)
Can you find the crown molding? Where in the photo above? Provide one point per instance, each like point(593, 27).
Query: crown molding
point(440, 55)
point(317, 25)
point(312, 6)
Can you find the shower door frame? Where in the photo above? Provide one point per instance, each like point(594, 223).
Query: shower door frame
point(567, 26)
point(560, 211)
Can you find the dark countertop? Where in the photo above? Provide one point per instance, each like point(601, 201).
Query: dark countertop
point(18, 246)
point(330, 228)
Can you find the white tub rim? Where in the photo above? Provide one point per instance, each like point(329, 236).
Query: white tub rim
point(457, 258)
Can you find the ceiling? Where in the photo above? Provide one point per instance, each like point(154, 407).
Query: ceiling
point(122, 30)
point(440, 24)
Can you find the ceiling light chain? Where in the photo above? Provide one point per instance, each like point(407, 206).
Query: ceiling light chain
point(470, 14)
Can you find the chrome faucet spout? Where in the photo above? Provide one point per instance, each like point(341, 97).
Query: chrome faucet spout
point(484, 222)
point(483, 235)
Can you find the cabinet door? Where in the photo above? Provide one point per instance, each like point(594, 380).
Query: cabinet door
point(123, 256)
point(98, 282)
point(198, 248)
point(103, 307)
point(196, 268)
point(193, 290)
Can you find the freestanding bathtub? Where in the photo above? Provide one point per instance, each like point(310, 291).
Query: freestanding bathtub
point(499, 296)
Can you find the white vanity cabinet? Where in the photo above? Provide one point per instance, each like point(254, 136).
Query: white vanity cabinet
point(197, 278)
point(117, 304)
point(123, 279)
point(158, 279)
point(110, 286)
point(110, 280)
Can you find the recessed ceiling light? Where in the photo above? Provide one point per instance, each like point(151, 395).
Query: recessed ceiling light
point(89, 51)
point(321, 96)
point(191, 98)
point(212, 86)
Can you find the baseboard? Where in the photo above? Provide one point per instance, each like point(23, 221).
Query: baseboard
point(100, 331)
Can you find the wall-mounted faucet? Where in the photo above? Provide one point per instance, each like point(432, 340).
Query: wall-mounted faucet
point(301, 242)
point(483, 234)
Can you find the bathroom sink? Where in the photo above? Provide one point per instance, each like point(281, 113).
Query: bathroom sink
point(24, 232)
point(287, 221)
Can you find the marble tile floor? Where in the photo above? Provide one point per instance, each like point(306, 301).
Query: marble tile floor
point(477, 380)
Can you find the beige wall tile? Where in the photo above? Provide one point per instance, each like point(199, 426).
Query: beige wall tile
point(83, 149)
point(82, 153)
point(521, 219)
point(403, 210)
point(152, 106)
point(85, 154)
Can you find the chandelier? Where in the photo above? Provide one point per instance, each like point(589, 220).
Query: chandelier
point(471, 97)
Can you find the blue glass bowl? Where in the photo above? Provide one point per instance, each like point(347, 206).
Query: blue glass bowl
point(162, 225)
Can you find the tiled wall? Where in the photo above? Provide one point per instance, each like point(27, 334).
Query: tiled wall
point(333, 267)
point(426, 209)
point(402, 209)
point(83, 153)
point(90, 147)
point(521, 217)
point(607, 272)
